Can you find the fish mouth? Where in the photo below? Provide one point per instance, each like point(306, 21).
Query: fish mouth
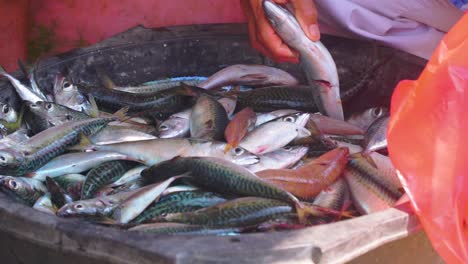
point(249, 160)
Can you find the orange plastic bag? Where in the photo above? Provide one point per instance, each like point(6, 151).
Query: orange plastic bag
point(428, 143)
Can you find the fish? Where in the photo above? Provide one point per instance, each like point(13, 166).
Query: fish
point(149, 87)
point(250, 75)
point(44, 204)
point(177, 202)
point(208, 119)
point(183, 229)
point(30, 73)
point(116, 134)
point(7, 113)
point(35, 152)
point(178, 124)
point(240, 212)
point(154, 151)
point(67, 94)
point(315, 59)
point(129, 176)
point(23, 91)
point(43, 115)
point(25, 190)
point(10, 119)
point(266, 117)
point(76, 162)
point(139, 201)
point(237, 128)
point(369, 191)
point(328, 125)
point(104, 174)
point(97, 207)
point(385, 166)
point(299, 97)
point(367, 117)
point(272, 136)
point(225, 177)
point(14, 138)
point(160, 103)
point(280, 159)
point(336, 197)
point(309, 180)
point(376, 135)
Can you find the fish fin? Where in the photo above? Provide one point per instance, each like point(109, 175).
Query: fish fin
point(122, 114)
point(104, 78)
point(94, 107)
point(228, 147)
point(84, 144)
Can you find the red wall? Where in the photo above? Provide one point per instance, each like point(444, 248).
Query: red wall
point(37, 27)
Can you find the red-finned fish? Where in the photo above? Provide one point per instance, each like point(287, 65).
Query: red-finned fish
point(237, 129)
point(309, 180)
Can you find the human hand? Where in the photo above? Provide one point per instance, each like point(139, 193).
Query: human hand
point(264, 38)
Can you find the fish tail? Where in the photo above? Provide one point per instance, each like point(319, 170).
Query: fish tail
point(2, 70)
point(105, 79)
point(121, 115)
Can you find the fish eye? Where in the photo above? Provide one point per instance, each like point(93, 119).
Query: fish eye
point(68, 117)
point(290, 119)
point(79, 206)
point(13, 184)
point(288, 148)
point(377, 112)
point(6, 109)
point(66, 85)
point(163, 127)
point(48, 106)
point(238, 151)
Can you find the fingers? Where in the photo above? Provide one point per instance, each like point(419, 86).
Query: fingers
point(266, 35)
point(306, 15)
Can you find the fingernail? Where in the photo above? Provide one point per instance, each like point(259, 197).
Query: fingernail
point(314, 32)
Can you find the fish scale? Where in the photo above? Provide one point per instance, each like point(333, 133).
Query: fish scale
point(179, 202)
point(239, 212)
point(103, 174)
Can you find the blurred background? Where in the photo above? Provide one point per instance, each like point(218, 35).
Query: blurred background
point(30, 29)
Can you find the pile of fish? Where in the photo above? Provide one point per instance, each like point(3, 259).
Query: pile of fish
point(247, 149)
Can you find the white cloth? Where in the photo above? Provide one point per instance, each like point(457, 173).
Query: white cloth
point(414, 26)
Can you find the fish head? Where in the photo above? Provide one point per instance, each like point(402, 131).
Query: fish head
point(367, 117)
point(9, 161)
point(7, 113)
point(297, 151)
point(299, 118)
point(241, 156)
point(16, 186)
point(173, 127)
point(78, 208)
point(284, 23)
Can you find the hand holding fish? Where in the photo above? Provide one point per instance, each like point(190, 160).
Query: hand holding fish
point(264, 38)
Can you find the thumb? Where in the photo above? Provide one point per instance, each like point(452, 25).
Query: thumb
point(306, 14)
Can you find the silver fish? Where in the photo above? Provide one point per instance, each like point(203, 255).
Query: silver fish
point(67, 94)
point(367, 117)
point(116, 134)
point(178, 124)
point(249, 75)
point(23, 91)
point(266, 117)
point(376, 135)
point(129, 176)
point(24, 189)
point(154, 151)
point(75, 163)
point(315, 59)
point(7, 113)
point(272, 136)
point(279, 159)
